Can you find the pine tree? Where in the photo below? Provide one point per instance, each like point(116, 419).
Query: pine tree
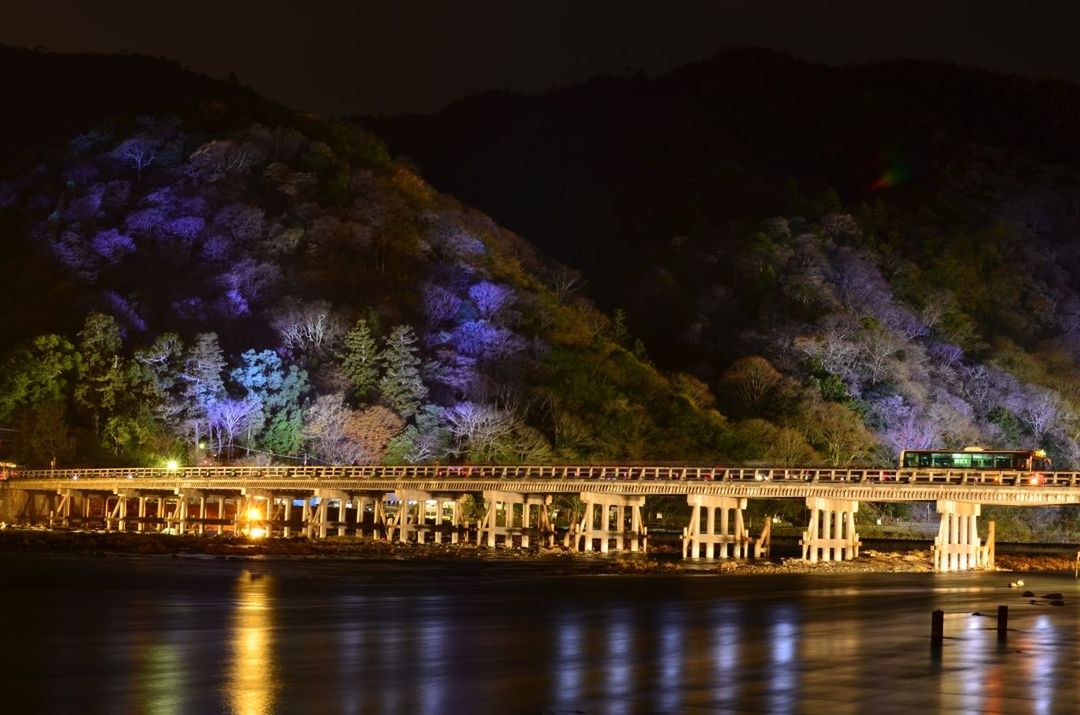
point(204, 386)
point(361, 359)
point(102, 375)
point(401, 385)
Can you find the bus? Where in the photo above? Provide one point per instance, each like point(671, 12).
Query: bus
point(7, 470)
point(998, 460)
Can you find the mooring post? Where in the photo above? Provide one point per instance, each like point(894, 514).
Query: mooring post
point(1003, 621)
point(937, 628)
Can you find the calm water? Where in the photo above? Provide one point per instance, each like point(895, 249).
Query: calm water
point(153, 635)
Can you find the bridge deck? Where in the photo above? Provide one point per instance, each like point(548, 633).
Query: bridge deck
point(879, 485)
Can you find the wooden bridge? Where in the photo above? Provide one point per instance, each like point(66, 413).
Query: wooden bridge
point(425, 503)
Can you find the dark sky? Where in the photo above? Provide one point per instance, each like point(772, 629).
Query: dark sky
point(385, 56)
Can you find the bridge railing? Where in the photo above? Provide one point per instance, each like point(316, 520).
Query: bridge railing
point(570, 472)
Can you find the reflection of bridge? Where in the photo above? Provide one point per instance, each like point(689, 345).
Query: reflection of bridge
point(422, 503)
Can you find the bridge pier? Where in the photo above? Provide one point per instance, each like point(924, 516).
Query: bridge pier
point(716, 544)
point(596, 523)
point(534, 518)
point(322, 523)
point(957, 546)
point(423, 514)
point(831, 534)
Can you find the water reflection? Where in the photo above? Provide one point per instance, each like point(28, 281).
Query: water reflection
point(364, 638)
point(783, 634)
point(725, 652)
point(567, 663)
point(251, 685)
point(670, 655)
point(432, 641)
point(349, 655)
point(619, 658)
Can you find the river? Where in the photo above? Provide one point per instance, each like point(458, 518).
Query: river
point(194, 635)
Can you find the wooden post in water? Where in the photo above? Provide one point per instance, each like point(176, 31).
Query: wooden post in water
point(1003, 621)
point(937, 628)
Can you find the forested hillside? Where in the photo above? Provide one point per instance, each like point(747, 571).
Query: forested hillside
point(897, 240)
point(227, 282)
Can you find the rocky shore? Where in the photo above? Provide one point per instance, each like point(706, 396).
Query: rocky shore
point(663, 559)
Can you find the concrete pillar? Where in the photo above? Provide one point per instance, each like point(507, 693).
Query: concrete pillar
point(142, 513)
point(182, 515)
point(825, 537)
point(708, 539)
point(957, 547)
point(287, 529)
point(606, 530)
point(305, 518)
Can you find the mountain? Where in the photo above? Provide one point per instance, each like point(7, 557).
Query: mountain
point(194, 272)
point(897, 238)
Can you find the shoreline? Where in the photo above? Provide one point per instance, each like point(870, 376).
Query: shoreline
point(663, 559)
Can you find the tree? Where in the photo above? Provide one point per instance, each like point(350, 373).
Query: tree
point(308, 327)
point(139, 152)
point(42, 433)
point(203, 383)
point(401, 385)
point(278, 424)
point(360, 360)
point(229, 417)
point(102, 373)
point(372, 429)
point(748, 383)
point(36, 373)
point(161, 369)
point(477, 429)
point(325, 434)
point(837, 432)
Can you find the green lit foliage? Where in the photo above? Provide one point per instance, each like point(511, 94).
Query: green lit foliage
point(360, 359)
point(37, 372)
point(401, 385)
point(102, 376)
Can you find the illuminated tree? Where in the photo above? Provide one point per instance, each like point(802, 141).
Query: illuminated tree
point(102, 374)
point(37, 372)
point(401, 385)
point(360, 361)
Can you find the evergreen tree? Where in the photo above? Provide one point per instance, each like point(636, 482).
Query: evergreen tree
point(203, 384)
point(361, 359)
point(401, 385)
point(36, 373)
point(102, 376)
point(278, 427)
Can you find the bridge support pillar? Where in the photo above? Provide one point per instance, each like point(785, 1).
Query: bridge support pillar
point(322, 514)
point(503, 511)
point(957, 546)
point(716, 544)
point(597, 524)
point(62, 513)
point(831, 534)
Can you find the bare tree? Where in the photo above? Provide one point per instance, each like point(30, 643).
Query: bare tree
point(139, 152)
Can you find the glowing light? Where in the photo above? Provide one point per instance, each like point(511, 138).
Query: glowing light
point(172, 465)
point(257, 533)
point(252, 685)
point(254, 514)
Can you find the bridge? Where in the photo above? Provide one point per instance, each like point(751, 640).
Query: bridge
point(426, 503)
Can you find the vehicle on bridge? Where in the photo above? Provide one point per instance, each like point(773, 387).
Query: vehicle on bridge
point(1034, 461)
point(7, 470)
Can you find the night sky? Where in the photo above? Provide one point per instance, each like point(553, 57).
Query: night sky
point(369, 57)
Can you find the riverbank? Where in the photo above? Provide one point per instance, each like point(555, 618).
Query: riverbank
point(662, 559)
